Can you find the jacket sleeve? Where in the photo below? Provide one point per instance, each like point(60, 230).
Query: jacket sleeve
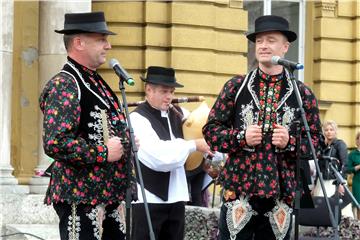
point(350, 168)
point(312, 116)
point(218, 131)
point(61, 108)
point(342, 156)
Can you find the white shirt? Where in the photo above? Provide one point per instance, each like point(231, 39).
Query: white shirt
point(162, 156)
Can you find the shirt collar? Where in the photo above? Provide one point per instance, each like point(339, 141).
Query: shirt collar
point(82, 68)
point(271, 78)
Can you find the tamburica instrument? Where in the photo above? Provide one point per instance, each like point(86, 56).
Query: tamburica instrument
point(192, 129)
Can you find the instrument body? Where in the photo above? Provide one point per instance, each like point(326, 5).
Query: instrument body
point(192, 129)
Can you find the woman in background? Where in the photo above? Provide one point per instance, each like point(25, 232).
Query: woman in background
point(334, 152)
point(354, 167)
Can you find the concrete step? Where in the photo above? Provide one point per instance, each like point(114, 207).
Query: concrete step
point(34, 231)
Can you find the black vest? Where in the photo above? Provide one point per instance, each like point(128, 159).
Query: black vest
point(247, 103)
point(92, 104)
point(158, 182)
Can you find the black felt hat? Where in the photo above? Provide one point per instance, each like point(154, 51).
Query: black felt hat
point(270, 23)
point(161, 76)
point(92, 22)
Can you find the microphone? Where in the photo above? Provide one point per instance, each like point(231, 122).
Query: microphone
point(286, 63)
point(121, 72)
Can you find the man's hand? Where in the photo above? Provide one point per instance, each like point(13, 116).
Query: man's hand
point(137, 142)
point(253, 135)
point(341, 190)
point(280, 137)
point(202, 146)
point(357, 167)
point(115, 149)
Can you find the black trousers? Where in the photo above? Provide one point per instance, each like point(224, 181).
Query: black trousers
point(167, 220)
point(258, 228)
point(88, 222)
point(195, 183)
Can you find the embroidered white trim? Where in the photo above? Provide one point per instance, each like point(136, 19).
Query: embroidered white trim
point(241, 87)
point(96, 125)
point(87, 85)
point(74, 227)
point(287, 118)
point(238, 214)
point(247, 115)
point(289, 91)
point(250, 86)
point(119, 216)
point(97, 216)
point(77, 84)
point(279, 218)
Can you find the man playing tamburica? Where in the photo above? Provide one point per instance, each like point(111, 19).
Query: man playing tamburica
point(162, 155)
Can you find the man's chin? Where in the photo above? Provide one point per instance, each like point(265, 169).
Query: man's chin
point(265, 63)
point(165, 107)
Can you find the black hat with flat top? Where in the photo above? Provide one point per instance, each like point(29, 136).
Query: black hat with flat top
point(161, 76)
point(269, 23)
point(92, 22)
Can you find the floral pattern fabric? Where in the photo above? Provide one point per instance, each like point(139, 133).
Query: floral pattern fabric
point(81, 173)
point(263, 170)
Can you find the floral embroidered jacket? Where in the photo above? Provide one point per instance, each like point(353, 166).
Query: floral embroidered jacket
point(73, 135)
point(257, 98)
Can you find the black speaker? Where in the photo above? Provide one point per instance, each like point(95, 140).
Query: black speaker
point(319, 215)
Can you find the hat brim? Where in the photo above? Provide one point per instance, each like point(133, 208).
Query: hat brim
point(157, 82)
point(77, 31)
point(291, 36)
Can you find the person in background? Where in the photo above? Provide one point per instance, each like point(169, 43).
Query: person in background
point(252, 120)
point(334, 151)
point(354, 167)
point(88, 177)
point(162, 155)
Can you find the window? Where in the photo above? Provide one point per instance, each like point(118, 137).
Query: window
point(294, 12)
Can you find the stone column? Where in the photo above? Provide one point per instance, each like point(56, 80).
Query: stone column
point(7, 180)
point(52, 56)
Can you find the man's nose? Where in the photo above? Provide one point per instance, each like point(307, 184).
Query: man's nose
point(108, 45)
point(263, 44)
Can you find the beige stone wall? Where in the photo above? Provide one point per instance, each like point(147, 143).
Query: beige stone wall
point(336, 63)
point(25, 93)
point(203, 40)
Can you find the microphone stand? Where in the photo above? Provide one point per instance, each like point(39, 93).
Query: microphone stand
point(135, 151)
point(342, 181)
point(297, 177)
point(307, 129)
point(339, 181)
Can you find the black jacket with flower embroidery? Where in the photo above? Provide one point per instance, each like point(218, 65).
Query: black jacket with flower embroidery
point(263, 170)
point(72, 102)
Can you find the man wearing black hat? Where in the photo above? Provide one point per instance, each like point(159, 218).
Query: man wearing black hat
point(253, 121)
point(85, 133)
point(162, 154)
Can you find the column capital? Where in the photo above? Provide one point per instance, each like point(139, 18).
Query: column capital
point(326, 8)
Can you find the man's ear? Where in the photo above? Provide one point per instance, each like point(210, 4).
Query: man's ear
point(78, 43)
point(286, 47)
